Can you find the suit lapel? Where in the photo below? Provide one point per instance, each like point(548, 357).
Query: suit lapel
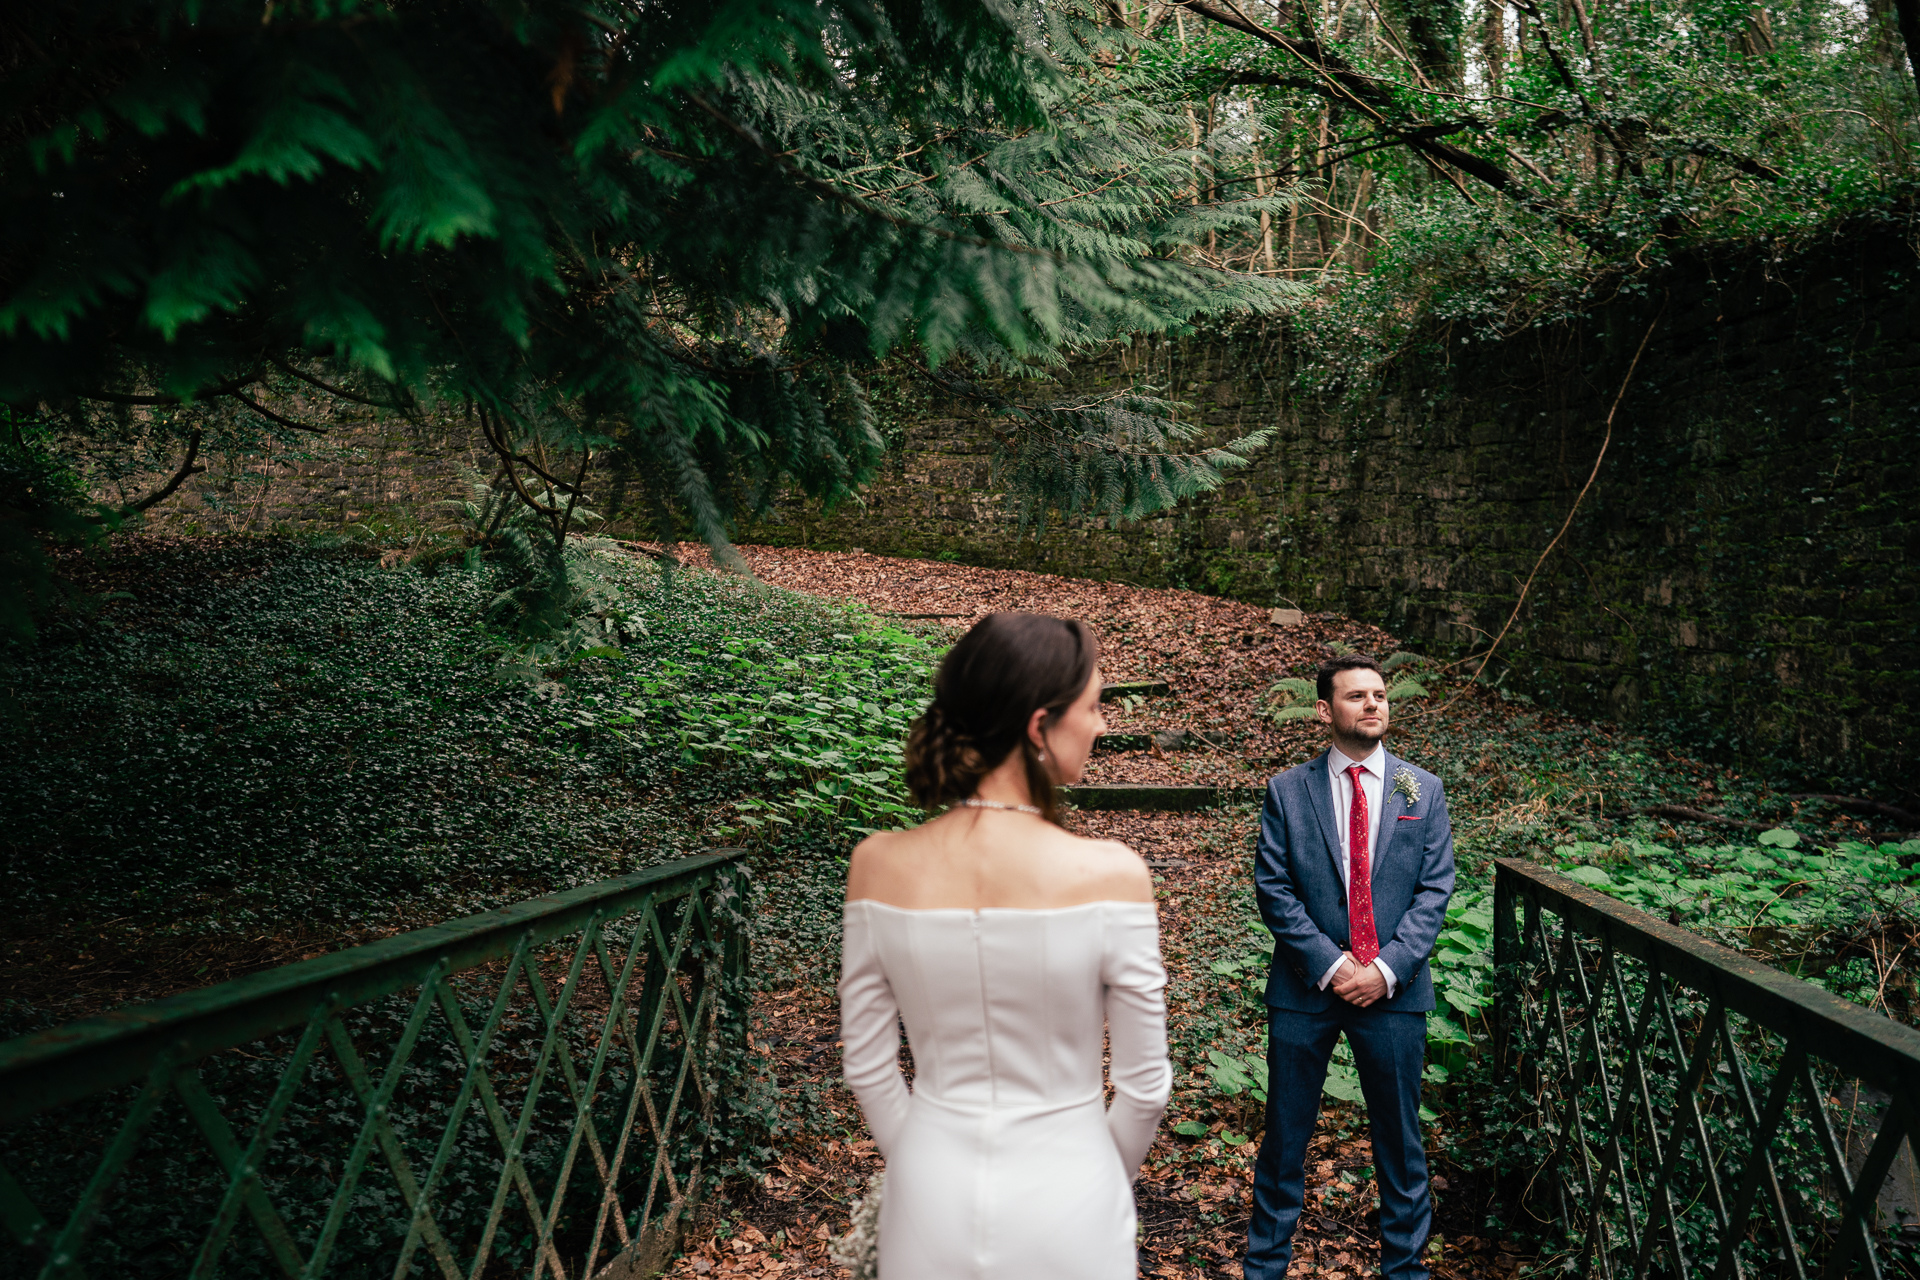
point(1392, 805)
point(1320, 796)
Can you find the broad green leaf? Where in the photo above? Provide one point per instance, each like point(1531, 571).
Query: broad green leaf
point(1343, 1083)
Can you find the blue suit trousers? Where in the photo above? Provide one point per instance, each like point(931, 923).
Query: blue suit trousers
point(1389, 1049)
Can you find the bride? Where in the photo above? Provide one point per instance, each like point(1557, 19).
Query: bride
point(1004, 943)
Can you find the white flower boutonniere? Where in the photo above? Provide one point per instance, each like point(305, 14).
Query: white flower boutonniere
point(1405, 784)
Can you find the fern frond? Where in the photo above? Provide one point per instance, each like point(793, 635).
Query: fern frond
point(1292, 699)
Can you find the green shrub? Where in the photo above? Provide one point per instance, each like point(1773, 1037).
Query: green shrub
point(275, 735)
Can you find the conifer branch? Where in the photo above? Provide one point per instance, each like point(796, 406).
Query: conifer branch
point(853, 201)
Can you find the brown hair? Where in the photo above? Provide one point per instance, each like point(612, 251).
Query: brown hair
point(1323, 684)
point(988, 687)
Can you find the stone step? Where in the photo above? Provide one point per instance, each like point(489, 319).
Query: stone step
point(1168, 740)
point(1157, 797)
point(1135, 689)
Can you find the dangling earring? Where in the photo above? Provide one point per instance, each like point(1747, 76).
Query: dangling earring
point(1043, 757)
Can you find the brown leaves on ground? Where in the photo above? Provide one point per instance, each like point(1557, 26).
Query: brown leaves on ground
point(783, 1222)
point(1220, 656)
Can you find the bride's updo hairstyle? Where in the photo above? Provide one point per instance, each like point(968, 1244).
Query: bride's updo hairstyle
point(988, 686)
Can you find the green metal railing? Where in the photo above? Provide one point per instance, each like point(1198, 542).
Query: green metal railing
point(1699, 1113)
point(533, 1090)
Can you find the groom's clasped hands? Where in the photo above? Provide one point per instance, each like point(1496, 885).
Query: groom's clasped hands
point(1359, 984)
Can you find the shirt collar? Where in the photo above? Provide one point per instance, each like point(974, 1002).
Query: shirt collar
point(1376, 764)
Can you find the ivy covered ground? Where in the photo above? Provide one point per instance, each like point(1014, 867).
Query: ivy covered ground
point(247, 752)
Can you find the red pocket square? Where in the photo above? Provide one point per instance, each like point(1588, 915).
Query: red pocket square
point(1411, 817)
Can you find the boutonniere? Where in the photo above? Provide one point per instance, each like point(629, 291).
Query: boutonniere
point(1405, 784)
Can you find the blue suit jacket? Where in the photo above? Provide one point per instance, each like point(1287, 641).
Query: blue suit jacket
point(1297, 876)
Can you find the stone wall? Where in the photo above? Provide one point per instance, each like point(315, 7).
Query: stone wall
point(1743, 572)
point(389, 474)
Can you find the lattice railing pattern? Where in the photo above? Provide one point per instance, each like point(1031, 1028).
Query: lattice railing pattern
point(530, 1091)
point(1699, 1113)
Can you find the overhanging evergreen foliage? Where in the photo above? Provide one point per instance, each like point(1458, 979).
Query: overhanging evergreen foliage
point(666, 232)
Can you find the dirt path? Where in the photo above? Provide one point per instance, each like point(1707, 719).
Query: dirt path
point(1220, 657)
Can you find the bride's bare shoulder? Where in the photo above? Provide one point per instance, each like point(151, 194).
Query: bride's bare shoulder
point(866, 867)
point(1112, 871)
point(878, 844)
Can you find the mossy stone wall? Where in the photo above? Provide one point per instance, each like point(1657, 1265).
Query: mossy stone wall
point(1744, 572)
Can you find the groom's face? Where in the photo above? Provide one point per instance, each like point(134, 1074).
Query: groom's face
point(1358, 711)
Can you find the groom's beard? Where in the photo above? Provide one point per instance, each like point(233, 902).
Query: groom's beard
point(1356, 735)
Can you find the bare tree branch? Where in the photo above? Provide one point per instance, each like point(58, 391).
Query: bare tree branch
point(116, 397)
point(1338, 81)
point(586, 460)
point(341, 392)
point(1572, 511)
point(508, 458)
point(165, 491)
point(270, 415)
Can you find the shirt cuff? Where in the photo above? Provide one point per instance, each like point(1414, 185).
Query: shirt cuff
point(1386, 973)
point(1327, 977)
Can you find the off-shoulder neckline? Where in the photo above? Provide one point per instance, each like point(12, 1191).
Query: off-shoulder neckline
point(975, 911)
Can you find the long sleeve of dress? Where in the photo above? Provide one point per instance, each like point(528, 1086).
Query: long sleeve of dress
point(1136, 983)
point(870, 1031)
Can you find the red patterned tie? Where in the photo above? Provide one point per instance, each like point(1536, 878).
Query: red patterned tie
point(1366, 943)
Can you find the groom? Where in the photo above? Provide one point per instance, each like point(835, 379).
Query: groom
point(1354, 870)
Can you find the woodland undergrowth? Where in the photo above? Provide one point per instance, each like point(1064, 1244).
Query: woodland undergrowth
point(251, 751)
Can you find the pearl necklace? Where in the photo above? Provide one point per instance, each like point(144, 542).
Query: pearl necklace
point(995, 804)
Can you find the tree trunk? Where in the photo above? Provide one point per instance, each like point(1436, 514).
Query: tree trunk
point(1321, 152)
point(1909, 14)
point(1293, 210)
point(1493, 43)
point(1365, 188)
point(1261, 185)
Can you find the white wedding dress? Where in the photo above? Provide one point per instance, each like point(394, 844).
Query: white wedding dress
point(1004, 1162)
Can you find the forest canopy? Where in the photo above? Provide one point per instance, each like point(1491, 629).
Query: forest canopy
point(1500, 163)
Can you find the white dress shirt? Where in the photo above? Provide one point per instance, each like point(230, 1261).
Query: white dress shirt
point(1373, 780)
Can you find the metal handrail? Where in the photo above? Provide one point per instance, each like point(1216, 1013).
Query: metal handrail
point(1566, 1027)
point(661, 992)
